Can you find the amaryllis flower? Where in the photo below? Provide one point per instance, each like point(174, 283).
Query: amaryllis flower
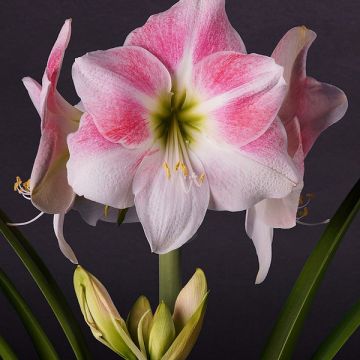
point(49, 190)
point(308, 109)
point(179, 120)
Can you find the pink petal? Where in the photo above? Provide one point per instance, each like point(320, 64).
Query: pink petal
point(100, 170)
point(34, 90)
point(262, 236)
point(92, 212)
point(57, 54)
point(117, 87)
point(187, 32)
point(169, 215)
point(317, 105)
point(238, 179)
point(50, 191)
point(241, 93)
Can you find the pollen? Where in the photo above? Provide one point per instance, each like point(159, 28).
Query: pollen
point(202, 178)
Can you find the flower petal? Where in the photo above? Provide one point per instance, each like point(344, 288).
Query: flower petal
point(317, 105)
point(34, 90)
point(241, 93)
point(238, 179)
point(262, 236)
point(187, 32)
point(50, 191)
point(116, 87)
point(92, 212)
point(99, 169)
point(169, 215)
point(64, 246)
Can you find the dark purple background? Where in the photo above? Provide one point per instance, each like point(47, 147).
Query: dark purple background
point(240, 315)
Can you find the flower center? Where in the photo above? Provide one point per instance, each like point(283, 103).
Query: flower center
point(176, 125)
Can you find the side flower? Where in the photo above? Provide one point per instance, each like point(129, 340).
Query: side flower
point(158, 336)
point(308, 109)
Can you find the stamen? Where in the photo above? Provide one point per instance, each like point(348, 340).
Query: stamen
point(167, 169)
point(26, 222)
point(303, 211)
point(23, 188)
point(202, 178)
point(106, 210)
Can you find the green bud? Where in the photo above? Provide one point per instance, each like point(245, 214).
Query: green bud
point(190, 307)
point(102, 316)
point(141, 306)
point(162, 332)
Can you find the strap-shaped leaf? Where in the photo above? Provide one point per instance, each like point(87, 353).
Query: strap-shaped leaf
point(290, 322)
point(48, 287)
point(41, 342)
point(339, 335)
point(6, 352)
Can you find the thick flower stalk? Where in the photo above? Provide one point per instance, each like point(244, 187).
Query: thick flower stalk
point(178, 120)
point(158, 336)
point(308, 109)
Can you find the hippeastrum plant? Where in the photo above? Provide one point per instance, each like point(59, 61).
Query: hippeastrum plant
point(159, 336)
point(308, 109)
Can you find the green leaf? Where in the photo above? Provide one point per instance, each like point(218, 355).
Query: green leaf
point(6, 352)
point(121, 216)
point(48, 287)
point(41, 342)
point(290, 322)
point(339, 335)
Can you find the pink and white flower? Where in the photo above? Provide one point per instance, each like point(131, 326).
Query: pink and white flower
point(308, 109)
point(179, 120)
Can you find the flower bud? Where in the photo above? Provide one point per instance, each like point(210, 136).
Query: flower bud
point(102, 316)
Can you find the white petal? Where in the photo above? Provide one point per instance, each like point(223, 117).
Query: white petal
point(64, 246)
point(169, 215)
point(262, 236)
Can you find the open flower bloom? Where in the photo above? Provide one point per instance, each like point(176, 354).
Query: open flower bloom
point(180, 120)
point(308, 109)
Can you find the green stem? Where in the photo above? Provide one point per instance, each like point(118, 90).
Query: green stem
point(170, 277)
point(48, 287)
point(41, 342)
point(6, 352)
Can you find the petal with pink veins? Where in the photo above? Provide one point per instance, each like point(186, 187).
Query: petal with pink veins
point(170, 213)
point(118, 88)
point(187, 32)
point(240, 94)
point(317, 105)
point(100, 170)
point(238, 179)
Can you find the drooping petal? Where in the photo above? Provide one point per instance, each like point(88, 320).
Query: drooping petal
point(169, 213)
point(92, 212)
point(317, 105)
point(262, 236)
point(100, 170)
point(34, 90)
point(64, 246)
point(238, 179)
point(50, 191)
point(240, 94)
point(187, 32)
point(117, 87)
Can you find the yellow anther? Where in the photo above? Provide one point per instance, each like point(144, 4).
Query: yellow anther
point(21, 186)
point(202, 178)
point(167, 169)
point(177, 166)
point(106, 210)
point(184, 169)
